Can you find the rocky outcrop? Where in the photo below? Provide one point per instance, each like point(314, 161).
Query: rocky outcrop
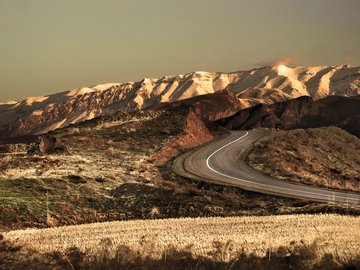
point(47, 144)
point(193, 133)
point(302, 112)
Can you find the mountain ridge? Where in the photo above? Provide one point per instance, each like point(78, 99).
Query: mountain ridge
point(39, 115)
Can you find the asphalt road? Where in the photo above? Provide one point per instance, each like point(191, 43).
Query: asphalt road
point(223, 162)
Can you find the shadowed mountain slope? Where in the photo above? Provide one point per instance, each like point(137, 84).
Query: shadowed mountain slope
point(302, 112)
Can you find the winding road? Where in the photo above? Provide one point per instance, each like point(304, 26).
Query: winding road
point(223, 162)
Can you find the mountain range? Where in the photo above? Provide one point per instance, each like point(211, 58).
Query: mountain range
point(242, 89)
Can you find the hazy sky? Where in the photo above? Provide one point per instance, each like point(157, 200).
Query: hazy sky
point(48, 46)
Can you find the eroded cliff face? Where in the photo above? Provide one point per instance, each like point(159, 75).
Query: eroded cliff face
point(303, 112)
point(38, 115)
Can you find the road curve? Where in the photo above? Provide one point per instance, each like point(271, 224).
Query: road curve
point(223, 162)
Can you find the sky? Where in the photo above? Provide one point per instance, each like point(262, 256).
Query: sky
point(49, 46)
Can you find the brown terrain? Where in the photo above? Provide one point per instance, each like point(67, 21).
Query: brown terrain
point(118, 168)
point(301, 112)
point(326, 157)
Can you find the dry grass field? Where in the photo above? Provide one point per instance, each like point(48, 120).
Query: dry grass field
point(333, 234)
point(254, 234)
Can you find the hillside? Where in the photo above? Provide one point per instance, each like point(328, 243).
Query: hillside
point(325, 157)
point(118, 167)
point(302, 112)
point(38, 115)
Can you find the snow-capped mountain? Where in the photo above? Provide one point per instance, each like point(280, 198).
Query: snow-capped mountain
point(38, 115)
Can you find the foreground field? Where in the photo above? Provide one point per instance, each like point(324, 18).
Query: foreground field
point(334, 234)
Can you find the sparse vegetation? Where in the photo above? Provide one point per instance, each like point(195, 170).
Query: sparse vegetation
point(325, 157)
point(90, 183)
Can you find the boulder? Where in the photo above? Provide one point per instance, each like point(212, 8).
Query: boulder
point(47, 144)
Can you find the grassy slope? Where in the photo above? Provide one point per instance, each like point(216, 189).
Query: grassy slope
point(325, 157)
point(304, 239)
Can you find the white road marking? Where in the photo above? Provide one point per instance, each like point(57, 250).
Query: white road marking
point(265, 185)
